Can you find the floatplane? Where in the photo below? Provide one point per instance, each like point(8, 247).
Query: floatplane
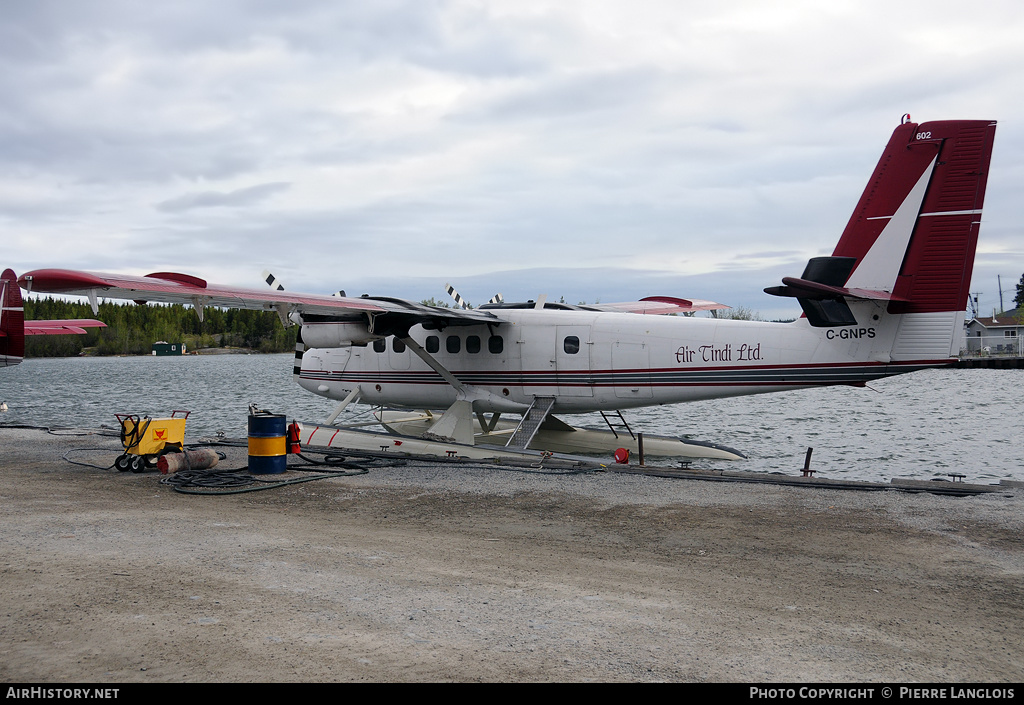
point(890, 299)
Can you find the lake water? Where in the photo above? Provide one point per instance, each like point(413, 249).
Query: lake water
point(919, 425)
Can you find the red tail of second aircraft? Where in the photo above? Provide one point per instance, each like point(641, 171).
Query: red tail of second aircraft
point(12, 320)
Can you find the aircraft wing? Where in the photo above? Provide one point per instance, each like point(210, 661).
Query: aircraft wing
point(73, 326)
point(660, 306)
point(171, 287)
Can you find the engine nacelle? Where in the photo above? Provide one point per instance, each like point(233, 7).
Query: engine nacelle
point(338, 333)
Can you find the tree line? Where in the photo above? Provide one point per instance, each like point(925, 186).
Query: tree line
point(132, 329)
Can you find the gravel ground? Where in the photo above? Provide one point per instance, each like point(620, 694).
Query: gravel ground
point(446, 573)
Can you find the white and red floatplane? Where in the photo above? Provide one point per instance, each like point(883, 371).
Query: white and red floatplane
point(890, 299)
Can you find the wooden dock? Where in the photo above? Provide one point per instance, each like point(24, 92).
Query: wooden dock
point(999, 362)
point(935, 486)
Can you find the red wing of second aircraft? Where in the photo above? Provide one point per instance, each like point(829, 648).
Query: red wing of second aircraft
point(660, 306)
point(72, 326)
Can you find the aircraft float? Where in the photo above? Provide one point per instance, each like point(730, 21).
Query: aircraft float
point(890, 299)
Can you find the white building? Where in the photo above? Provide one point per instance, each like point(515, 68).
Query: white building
point(999, 335)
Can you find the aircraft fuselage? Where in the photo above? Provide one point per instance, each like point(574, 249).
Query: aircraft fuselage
point(595, 361)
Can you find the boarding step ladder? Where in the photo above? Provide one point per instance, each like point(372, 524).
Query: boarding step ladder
point(620, 424)
point(531, 422)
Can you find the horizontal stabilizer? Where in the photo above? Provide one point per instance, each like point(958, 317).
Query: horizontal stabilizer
point(805, 289)
point(74, 326)
point(821, 294)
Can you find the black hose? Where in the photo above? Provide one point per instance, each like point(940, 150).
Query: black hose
point(133, 437)
point(218, 482)
point(88, 465)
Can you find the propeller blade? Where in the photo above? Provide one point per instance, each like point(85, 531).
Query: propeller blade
point(461, 302)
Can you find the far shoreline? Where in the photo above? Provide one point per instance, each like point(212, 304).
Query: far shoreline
point(200, 351)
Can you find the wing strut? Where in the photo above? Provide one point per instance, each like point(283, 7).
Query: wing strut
point(456, 423)
point(432, 363)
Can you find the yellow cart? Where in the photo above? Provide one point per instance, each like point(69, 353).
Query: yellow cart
point(145, 439)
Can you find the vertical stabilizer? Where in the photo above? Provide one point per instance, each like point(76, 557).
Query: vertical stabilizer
point(908, 249)
point(12, 320)
point(915, 228)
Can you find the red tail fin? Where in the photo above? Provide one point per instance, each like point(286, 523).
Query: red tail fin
point(915, 229)
point(12, 320)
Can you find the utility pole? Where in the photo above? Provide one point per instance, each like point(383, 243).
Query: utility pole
point(973, 301)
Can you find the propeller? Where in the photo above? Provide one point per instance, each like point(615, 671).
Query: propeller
point(300, 347)
point(462, 303)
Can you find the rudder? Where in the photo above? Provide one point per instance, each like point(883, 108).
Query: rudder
point(12, 320)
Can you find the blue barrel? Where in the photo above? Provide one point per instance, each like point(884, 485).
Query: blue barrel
point(268, 451)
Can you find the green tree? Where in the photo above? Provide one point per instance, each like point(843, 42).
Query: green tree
point(132, 329)
point(1018, 300)
point(739, 313)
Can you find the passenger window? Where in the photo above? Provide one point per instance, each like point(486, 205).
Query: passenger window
point(397, 345)
point(453, 344)
point(433, 344)
point(571, 345)
point(473, 344)
point(380, 345)
point(495, 344)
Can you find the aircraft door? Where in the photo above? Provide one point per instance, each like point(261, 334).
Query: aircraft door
point(572, 360)
point(537, 361)
point(399, 357)
point(632, 364)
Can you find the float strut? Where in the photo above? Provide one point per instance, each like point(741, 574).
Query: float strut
point(352, 396)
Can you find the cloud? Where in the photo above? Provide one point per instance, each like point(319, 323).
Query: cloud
point(217, 199)
point(453, 138)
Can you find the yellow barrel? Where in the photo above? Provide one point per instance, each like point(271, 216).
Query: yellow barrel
point(268, 451)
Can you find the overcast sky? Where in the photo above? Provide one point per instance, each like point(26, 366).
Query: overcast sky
point(590, 150)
